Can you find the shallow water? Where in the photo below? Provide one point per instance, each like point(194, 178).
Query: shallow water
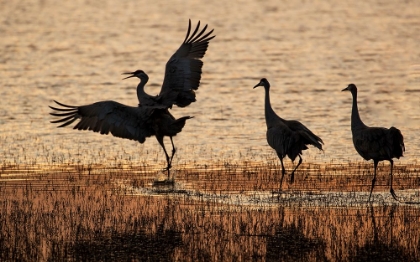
point(96, 213)
point(75, 53)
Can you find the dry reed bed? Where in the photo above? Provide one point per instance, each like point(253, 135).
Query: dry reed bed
point(78, 213)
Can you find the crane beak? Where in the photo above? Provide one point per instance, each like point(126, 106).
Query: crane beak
point(128, 73)
point(345, 89)
point(257, 85)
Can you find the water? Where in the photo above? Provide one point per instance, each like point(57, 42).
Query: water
point(75, 52)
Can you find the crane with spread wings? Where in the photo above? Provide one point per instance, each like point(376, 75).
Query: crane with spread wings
point(151, 117)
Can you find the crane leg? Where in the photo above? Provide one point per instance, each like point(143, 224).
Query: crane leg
point(292, 176)
point(282, 172)
point(392, 190)
point(375, 165)
point(160, 140)
point(173, 151)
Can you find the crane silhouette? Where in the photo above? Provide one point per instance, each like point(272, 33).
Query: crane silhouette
point(182, 72)
point(286, 137)
point(151, 117)
point(377, 143)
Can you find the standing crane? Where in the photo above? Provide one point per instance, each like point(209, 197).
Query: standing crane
point(151, 117)
point(286, 137)
point(377, 143)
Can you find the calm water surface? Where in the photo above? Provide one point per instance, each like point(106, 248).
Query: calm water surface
point(75, 52)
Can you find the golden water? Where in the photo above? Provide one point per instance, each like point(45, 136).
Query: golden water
point(75, 52)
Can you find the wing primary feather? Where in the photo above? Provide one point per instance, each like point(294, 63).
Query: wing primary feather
point(63, 114)
point(188, 31)
point(68, 123)
point(61, 109)
point(193, 34)
point(64, 104)
point(199, 35)
point(84, 124)
point(203, 38)
point(63, 119)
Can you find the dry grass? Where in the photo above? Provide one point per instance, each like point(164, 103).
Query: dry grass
point(77, 212)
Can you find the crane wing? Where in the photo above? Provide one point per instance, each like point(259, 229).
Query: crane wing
point(373, 143)
point(280, 138)
point(308, 136)
point(183, 70)
point(107, 117)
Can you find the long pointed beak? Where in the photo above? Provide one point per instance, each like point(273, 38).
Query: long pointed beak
point(257, 85)
point(345, 89)
point(131, 74)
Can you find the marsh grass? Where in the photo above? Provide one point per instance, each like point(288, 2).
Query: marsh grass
point(95, 212)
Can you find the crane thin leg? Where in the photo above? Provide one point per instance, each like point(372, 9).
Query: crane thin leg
point(375, 165)
point(160, 140)
point(282, 172)
point(173, 151)
point(391, 189)
point(292, 176)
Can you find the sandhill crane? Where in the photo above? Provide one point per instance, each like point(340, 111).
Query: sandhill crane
point(182, 73)
point(377, 143)
point(151, 117)
point(286, 137)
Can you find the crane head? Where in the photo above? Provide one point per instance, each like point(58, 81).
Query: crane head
point(350, 87)
point(138, 73)
point(263, 82)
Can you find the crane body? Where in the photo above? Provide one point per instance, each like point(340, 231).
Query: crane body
point(376, 143)
point(286, 137)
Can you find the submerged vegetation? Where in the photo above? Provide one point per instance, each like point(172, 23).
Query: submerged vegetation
point(223, 212)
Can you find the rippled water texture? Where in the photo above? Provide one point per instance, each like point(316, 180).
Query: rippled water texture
point(76, 51)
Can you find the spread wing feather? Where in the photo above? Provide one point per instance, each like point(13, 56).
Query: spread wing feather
point(183, 69)
point(107, 117)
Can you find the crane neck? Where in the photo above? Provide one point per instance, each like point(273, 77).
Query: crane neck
point(140, 89)
point(356, 122)
point(270, 115)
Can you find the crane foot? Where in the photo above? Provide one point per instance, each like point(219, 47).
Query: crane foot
point(393, 194)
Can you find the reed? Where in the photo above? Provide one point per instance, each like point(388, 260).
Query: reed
point(221, 212)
